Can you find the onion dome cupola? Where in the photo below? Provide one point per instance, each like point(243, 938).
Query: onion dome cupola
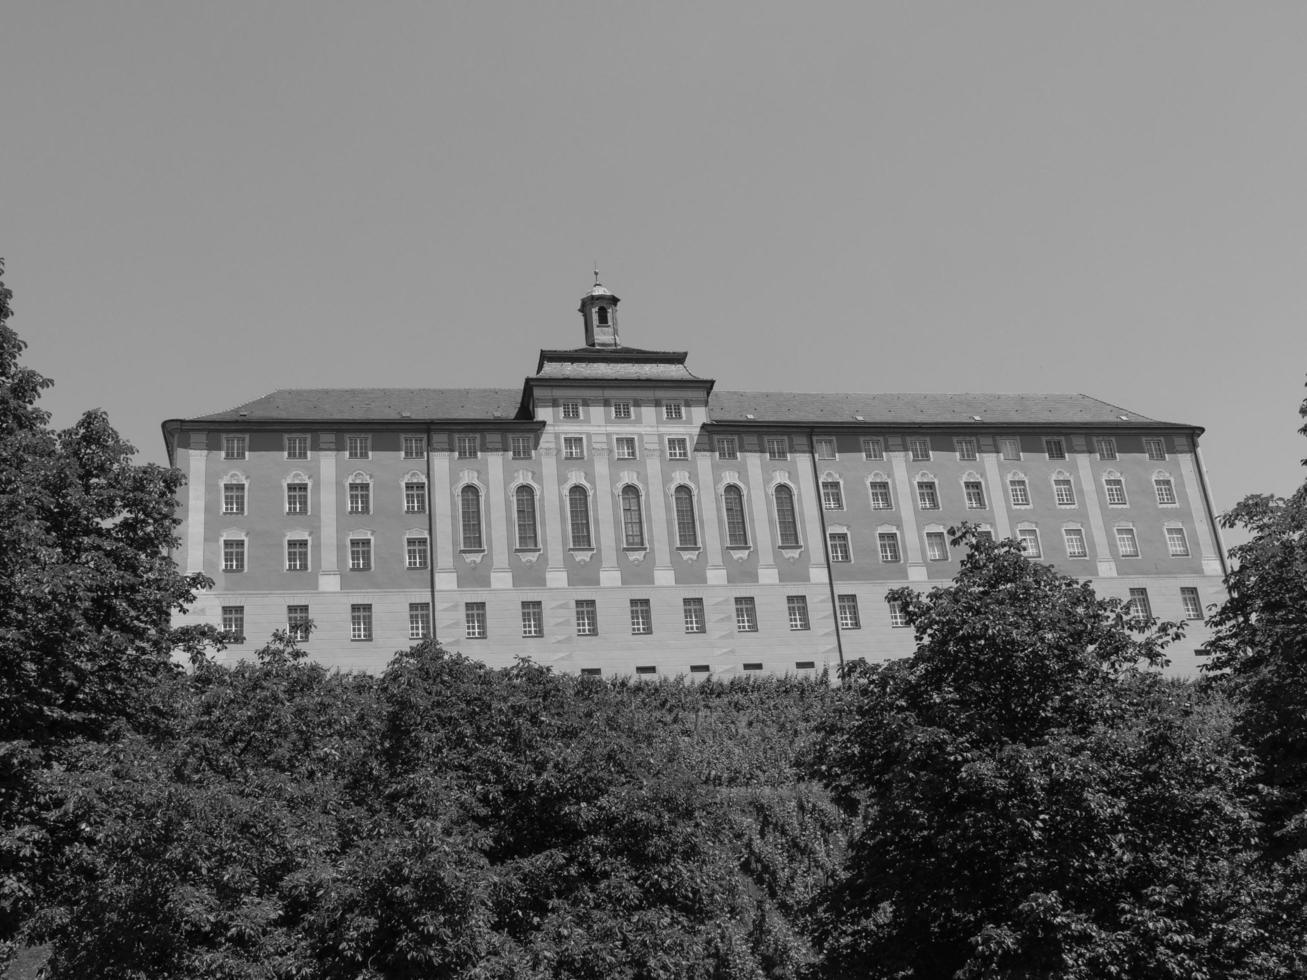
point(599, 311)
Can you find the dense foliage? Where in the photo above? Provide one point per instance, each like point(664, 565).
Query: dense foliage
point(1033, 804)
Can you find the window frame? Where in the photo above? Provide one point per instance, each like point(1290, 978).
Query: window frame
point(475, 626)
point(976, 487)
point(467, 445)
point(737, 524)
point(1062, 482)
point(839, 542)
point(624, 447)
point(422, 553)
point(1155, 449)
point(307, 553)
point(825, 448)
point(796, 609)
point(694, 616)
point(872, 484)
point(1194, 612)
point(477, 542)
point(727, 448)
point(359, 549)
point(1107, 443)
point(832, 492)
point(419, 620)
point(941, 539)
point(585, 525)
point(919, 449)
point(526, 519)
point(235, 446)
point(286, 492)
point(888, 547)
point(238, 490)
point(573, 447)
point(684, 492)
point(1169, 532)
point(927, 493)
point(1031, 546)
point(746, 614)
point(533, 619)
point(406, 444)
point(674, 411)
point(844, 604)
point(1050, 442)
point(1070, 534)
point(631, 503)
point(239, 548)
point(1160, 480)
point(778, 448)
point(678, 447)
point(966, 448)
point(286, 444)
point(521, 447)
point(361, 443)
point(411, 496)
point(623, 410)
point(587, 617)
point(1125, 534)
point(360, 622)
point(299, 623)
point(641, 617)
point(787, 525)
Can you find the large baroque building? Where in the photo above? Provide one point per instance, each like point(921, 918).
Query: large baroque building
point(618, 515)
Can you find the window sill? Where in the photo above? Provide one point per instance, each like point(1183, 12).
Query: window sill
point(582, 555)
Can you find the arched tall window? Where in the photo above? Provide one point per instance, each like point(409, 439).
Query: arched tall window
point(632, 518)
point(687, 528)
point(469, 499)
point(525, 499)
point(737, 532)
point(578, 513)
point(787, 526)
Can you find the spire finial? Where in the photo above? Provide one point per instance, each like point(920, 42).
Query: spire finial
point(596, 272)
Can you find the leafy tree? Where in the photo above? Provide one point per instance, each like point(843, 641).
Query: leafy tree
point(86, 594)
point(1034, 805)
point(1259, 650)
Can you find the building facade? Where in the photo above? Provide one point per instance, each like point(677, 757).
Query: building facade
point(618, 515)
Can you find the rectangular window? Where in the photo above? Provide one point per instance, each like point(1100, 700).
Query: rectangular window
point(919, 449)
point(415, 447)
point(873, 448)
point(1010, 448)
point(778, 447)
point(1029, 540)
point(522, 448)
point(360, 554)
point(1106, 447)
point(1165, 492)
point(596, 671)
point(797, 605)
point(1115, 492)
point(233, 498)
point(1075, 542)
point(966, 448)
point(360, 498)
point(360, 622)
point(626, 447)
point(826, 448)
point(419, 620)
point(1019, 491)
point(641, 617)
point(297, 555)
point(727, 448)
point(297, 447)
point(466, 447)
point(415, 498)
point(889, 546)
point(698, 668)
point(936, 546)
point(1193, 606)
point(233, 447)
point(587, 618)
point(880, 498)
point(1139, 604)
point(297, 498)
point(927, 495)
point(839, 546)
point(573, 447)
point(746, 615)
point(416, 552)
point(233, 556)
point(974, 492)
point(1177, 544)
point(533, 619)
point(233, 624)
point(692, 609)
point(832, 495)
point(673, 411)
point(1155, 448)
point(1063, 492)
point(358, 447)
point(1055, 448)
point(297, 623)
point(621, 410)
point(678, 448)
point(897, 617)
point(474, 620)
point(753, 666)
point(805, 665)
point(1127, 543)
point(571, 410)
point(850, 618)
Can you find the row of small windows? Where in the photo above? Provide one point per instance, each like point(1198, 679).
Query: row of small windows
point(693, 621)
point(296, 447)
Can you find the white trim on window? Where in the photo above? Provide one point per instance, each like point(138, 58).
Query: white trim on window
point(358, 446)
point(297, 535)
point(353, 498)
point(306, 446)
point(873, 448)
point(678, 447)
point(234, 502)
point(297, 478)
point(877, 482)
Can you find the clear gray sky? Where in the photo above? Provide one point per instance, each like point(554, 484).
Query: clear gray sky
point(202, 202)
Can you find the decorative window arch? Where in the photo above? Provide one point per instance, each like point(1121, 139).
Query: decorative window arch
point(235, 493)
point(358, 490)
point(832, 491)
point(525, 517)
point(737, 525)
point(413, 492)
point(469, 513)
point(880, 490)
point(973, 491)
point(297, 492)
point(787, 516)
point(632, 516)
point(578, 517)
point(1114, 489)
point(1164, 489)
point(927, 491)
point(687, 523)
point(361, 550)
point(235, 545)
point(1064, 488)
point(297, 549)
point(1018, 489)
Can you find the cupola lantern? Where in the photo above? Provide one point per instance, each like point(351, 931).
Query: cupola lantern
point(599, 311)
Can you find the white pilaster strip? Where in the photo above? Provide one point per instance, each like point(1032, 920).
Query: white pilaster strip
point(907, 493)
point(997, 496)
point(808, 502)
point(197, 457)
point(551, 499)
point(446, 576)
point(1094, 507)
point(767, 573)
point(609, 571)
point(657, 503)
point(497, 513)
point(712, 538)
point(1206, 545)
point(328, 569)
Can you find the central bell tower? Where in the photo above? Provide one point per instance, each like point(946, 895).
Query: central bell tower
point(599, 311)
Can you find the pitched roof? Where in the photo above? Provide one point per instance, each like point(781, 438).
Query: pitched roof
point(926, 408)
point(309, 404)
point(776, 407)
